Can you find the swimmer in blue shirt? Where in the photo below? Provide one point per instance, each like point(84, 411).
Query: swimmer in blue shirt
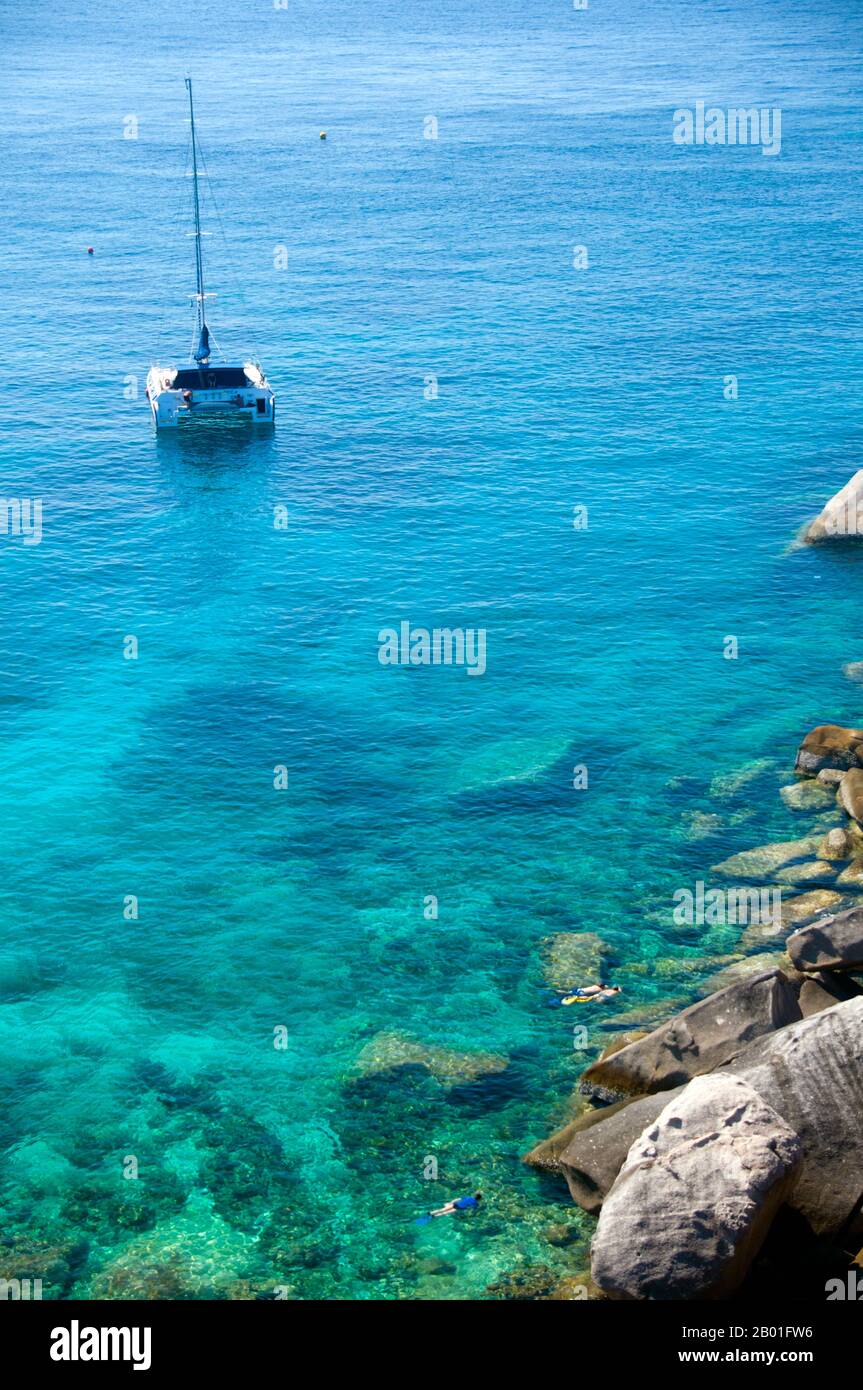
point(458, 1204)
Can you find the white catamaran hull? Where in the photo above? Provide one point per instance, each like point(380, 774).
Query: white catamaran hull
point(201, 397)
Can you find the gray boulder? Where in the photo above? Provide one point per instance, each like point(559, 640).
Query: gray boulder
point(545, 1156)
point(696, 1195)
point(812, 1074)
point(699, 1039)
point(823, 990)
point(830, 943)
point(592, 1159)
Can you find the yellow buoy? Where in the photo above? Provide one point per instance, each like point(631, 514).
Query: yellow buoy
point(323, 135)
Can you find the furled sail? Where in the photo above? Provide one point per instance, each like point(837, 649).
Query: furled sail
point(203, 353)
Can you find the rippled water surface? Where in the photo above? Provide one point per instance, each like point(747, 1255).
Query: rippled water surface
point(306, 909)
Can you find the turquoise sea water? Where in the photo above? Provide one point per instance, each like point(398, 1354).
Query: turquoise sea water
point(558, 387)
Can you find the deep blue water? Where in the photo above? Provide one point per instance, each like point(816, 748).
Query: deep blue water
point(558, 387)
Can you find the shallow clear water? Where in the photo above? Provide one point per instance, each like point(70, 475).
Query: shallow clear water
point(603, 387)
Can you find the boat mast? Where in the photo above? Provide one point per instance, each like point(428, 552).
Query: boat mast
point(203, 352)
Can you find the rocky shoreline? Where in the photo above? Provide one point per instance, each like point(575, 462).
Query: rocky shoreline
point(722, 1150)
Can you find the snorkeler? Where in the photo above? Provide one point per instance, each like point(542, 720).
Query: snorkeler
point(586, 994)
point(458, 1204)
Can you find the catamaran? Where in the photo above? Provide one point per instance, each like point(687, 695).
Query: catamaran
point(207, 389)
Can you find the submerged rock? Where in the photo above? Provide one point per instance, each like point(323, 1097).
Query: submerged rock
point(744, 969)
point(696, 1195)
point(507, 761)
point(258, 1291)
point(842, 517)
point(852, 877)
point(806, 796)
point(574, 958)
point(765, 859)
point(683, 782)
point(700, 825)
point(698, 1039)
point(55, 1262)
point(725, 785)
point(21, 973)
point(853, 671)
point(812, 871)
point(805, 906)
point(646, 1014)
point(435, 1267)
point(598, 1093)
point(528, 1284)
point(576, 1288)
point(830, 745)
point(793, 911)
point(671, 966)
point(195, 1255)
point(388, 1051)
point(832, 943)
point(561, 1235)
